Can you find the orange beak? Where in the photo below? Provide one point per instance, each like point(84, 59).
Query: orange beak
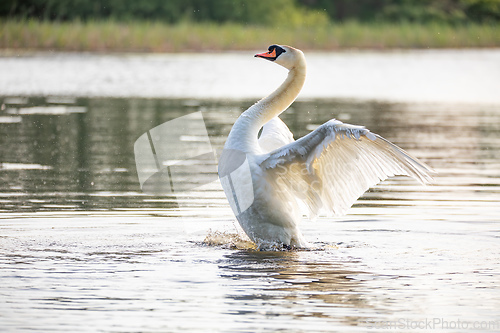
point(267, 55)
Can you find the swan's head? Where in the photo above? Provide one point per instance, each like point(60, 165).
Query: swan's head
point(283, 55)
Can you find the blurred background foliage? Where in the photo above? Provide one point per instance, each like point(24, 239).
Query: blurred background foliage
point(257, 12)
point(207, 25)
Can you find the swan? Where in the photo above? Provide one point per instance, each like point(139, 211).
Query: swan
point(269, 179)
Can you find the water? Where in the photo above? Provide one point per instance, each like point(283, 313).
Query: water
point(83, 249)
point(451, 76)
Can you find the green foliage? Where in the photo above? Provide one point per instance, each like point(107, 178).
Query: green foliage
point(145, 36)
point(262, 12)
point(422, 11)
point(257, 12)
point(483, 10)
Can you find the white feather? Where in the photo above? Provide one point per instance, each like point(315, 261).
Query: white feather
point(275, 134)
point(337, 163)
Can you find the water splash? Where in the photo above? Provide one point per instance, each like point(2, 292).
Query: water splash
point(229, 240)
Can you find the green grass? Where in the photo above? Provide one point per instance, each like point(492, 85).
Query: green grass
point(111, 36)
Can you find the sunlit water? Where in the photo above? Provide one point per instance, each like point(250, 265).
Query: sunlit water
point(82, 248)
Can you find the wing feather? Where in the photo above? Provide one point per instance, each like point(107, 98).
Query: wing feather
point(331, 167)
point(275, 134)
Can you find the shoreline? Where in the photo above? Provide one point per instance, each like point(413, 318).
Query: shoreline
point(6, 53)
point(152, 37)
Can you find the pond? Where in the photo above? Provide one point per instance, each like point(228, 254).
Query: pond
point(83, 248)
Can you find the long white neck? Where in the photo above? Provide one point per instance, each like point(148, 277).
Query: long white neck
point(243, 135)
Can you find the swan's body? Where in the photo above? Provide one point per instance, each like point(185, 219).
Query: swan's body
point(328, 169)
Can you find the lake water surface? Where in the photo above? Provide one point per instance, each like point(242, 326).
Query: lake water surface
point(82, 248)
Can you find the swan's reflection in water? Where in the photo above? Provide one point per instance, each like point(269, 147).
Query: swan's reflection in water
point(294, 284)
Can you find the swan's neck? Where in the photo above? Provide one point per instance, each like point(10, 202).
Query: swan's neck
point(243, 135)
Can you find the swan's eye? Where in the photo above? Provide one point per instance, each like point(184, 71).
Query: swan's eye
point(276, 50)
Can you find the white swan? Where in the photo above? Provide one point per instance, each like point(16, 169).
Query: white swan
point(266, 178)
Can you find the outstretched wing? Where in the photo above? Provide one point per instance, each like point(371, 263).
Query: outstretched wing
point(331, 167)
point(275, 134)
